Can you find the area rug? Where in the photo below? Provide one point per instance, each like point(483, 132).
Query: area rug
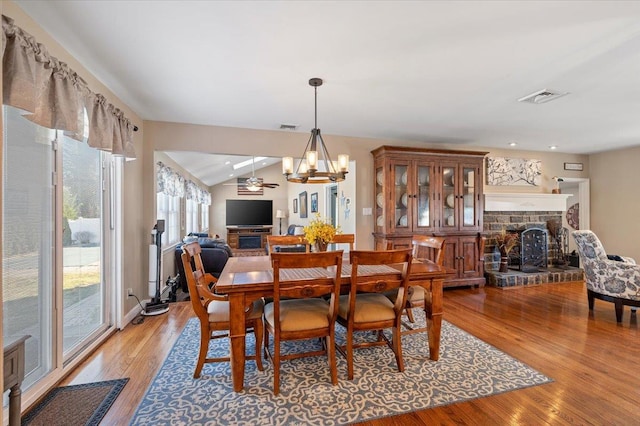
point(84, 404)
point(467, 369)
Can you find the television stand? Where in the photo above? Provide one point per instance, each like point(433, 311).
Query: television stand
point(247, 237)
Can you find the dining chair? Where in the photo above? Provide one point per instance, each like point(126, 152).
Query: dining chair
point(298, 310)
point(424, 248)
point(344, 239)
point(212, 309)
point(367, 308)
point(287, 243)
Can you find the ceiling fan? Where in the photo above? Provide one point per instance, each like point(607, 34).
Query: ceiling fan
point(253, 183)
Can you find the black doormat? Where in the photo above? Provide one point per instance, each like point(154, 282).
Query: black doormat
point(84, 404)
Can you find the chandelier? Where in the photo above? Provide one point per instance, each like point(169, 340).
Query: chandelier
point(314, 155)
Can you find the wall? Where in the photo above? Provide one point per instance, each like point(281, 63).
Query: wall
point(167, 136)
point(615, 200)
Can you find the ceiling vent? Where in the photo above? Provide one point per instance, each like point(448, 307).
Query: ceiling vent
point(542, 96)
point(288, 126)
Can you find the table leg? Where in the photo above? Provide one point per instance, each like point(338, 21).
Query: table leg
point(14, 405)
point(434, 319)
point(237, 331)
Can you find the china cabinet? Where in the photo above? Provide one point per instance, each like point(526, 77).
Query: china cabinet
point(432, 192)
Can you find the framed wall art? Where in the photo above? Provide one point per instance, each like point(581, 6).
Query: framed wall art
point(303, 204)
point(513, 171)
point(295, 205)
point(314, 202)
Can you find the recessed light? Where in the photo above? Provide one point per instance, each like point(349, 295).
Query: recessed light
point(231, 175)
point(226, 163)
point(512, 144)
point(553, 147)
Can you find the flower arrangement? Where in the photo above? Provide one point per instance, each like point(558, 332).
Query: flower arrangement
point(319, 231)
point(506, 241)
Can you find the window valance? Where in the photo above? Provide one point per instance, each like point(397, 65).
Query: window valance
point(173, 183)
point(55, 97)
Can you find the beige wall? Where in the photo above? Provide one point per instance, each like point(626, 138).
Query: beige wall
point(136, 195)
point(615, 200)
point(227, 140)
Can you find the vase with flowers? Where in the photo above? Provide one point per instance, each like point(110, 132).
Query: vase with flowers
point(505, 241)
point(320, 232)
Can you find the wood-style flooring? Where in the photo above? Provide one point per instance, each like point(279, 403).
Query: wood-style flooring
point(593, 361)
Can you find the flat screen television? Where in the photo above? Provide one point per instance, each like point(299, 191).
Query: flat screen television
point(249, 212)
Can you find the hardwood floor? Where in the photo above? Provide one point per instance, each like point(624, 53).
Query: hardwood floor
point(592, 360)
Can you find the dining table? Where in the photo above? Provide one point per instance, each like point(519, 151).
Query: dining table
point(246, 279)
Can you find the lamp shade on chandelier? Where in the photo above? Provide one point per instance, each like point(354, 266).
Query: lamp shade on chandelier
point(316, 155)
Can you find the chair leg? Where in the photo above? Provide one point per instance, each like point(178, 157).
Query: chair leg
point(331, 354)
point(619, 308)
point(410, 314)
point(205, 336)
point(397, 347)
point(258, 331)
point(276, 364)
point(266, 343)
point(349, 354)
point(590, 299)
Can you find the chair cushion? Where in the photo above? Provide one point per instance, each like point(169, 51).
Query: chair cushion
point(300, 314)
point(219, 311)
point(369, 307)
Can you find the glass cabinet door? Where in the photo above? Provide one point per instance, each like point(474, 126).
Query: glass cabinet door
point(448, 219)
point(423, 197)
point(380, 199)
point(401, 196)
point(468, 197)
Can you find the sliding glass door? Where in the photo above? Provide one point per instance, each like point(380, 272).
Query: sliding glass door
point(56, 244)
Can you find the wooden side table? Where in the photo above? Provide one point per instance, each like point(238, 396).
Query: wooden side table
point(13, 375)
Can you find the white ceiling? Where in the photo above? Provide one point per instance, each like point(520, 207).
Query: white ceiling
point(420, 71)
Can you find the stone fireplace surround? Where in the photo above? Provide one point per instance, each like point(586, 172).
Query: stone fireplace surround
point(496, 221)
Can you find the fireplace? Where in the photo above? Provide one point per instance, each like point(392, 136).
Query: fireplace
point(531, 254)
point(249, 242)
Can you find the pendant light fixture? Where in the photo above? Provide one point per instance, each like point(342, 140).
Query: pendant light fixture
point(314, 155)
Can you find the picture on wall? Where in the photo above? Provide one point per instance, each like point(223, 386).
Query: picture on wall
point(295, 205)
point(513, 171)
point(314, 202)
point(303, 204)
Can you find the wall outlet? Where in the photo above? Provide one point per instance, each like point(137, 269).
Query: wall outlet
point(129, 292)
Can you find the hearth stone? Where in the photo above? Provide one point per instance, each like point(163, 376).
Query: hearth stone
point(515, 278)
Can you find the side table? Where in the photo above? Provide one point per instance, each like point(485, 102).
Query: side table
point(13, 376)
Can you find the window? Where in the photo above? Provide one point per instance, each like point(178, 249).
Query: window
point(204, 217)
point(169, 211)
point(191, 211)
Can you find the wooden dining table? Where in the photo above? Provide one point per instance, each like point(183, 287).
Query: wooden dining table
point(245, 279)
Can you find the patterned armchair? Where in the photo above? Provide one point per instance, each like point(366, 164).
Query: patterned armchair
point(610, 280)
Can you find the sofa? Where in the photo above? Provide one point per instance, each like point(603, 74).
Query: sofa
point(215, 253)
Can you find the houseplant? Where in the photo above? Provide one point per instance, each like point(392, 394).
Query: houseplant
point(505, 241)
point(319, 232)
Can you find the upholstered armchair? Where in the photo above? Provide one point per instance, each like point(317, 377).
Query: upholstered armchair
point(611, 280)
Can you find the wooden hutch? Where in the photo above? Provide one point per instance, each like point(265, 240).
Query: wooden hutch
point(432, 192)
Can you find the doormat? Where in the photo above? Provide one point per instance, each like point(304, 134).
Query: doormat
point(84, 404)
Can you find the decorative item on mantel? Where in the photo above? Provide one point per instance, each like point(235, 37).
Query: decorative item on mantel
point(320, 232)
point(505, 241)
point(557, 180)
point(308, 166)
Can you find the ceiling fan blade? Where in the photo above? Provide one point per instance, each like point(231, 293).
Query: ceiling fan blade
point(270, 185)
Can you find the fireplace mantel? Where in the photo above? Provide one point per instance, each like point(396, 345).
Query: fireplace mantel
point(503, 201)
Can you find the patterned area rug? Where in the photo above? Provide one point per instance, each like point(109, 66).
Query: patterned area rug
point(468, 368)
point(75, 405)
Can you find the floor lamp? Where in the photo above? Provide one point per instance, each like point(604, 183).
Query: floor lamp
point(280, 214)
